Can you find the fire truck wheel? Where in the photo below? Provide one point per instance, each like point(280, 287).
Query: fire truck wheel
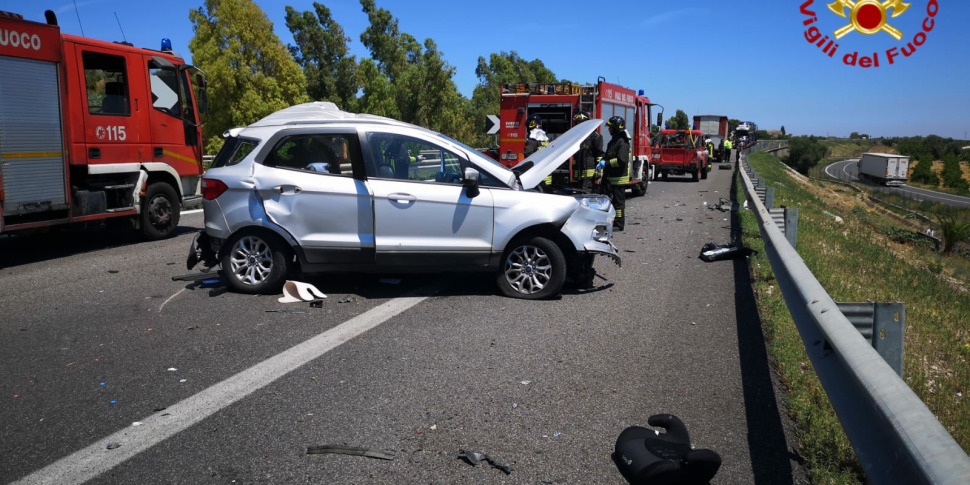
point(160, 212)
point(532, 269)
point(255, 263)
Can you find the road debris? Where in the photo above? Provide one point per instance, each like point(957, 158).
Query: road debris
point(294, 291)
point(718, 252)
point(348, 450)
point(475, 457)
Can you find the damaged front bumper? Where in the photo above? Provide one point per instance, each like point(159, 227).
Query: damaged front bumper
point(200, 251)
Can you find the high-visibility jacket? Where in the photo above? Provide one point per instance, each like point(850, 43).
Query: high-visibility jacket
point(728, 145)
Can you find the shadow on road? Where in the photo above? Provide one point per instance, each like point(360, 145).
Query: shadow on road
point(62, 242)
point(770, 458)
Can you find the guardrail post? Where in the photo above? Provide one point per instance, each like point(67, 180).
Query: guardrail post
point(791, 226)
point(883, 325)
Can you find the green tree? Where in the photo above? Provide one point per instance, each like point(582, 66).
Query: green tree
point(733, 125)
point(321, 50)
point(804, 153)
point(501, 68)
point(923, 171)
point(783, 131)
point(952, 173)
point(249, 71)
point(419, 80)
point(679, 121)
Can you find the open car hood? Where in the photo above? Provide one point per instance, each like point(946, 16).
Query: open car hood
point(540, 164)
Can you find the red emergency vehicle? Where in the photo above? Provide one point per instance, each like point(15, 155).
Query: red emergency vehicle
point(557, 103)
point(92, 130)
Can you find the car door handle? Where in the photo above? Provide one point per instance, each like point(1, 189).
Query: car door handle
point(284, 189)
point(399, 197)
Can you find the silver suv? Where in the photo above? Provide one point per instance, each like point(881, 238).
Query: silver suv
point(317, 189)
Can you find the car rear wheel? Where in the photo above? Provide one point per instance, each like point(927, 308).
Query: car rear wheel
point(255, 263)
point(532, 269)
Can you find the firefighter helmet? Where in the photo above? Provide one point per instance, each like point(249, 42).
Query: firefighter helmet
point(581, 116)
point(534, 121)
point(616, 122)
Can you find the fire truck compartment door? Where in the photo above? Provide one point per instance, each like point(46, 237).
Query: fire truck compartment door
point(540, 164)
point(31, 143)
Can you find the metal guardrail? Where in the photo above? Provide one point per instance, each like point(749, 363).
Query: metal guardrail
point(895, 436)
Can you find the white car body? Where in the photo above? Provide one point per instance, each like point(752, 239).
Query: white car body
point(448, 207)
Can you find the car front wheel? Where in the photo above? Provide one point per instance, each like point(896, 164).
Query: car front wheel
point(532, 269)
point(255, 263)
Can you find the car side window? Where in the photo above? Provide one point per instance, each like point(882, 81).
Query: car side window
point(314, 152)
point(406, 158)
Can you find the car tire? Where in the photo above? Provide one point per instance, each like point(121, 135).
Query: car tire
point(255, 263)
point(532, 269)
point(704, 174)
point(160, 211)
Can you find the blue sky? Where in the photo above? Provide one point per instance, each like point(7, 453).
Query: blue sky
point(748, 60)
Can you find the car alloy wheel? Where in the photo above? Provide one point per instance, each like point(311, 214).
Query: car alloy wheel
point(533, 269)
point(255, 263)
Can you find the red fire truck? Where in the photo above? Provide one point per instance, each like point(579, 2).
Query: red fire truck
point(92, 130)
point(557, 103)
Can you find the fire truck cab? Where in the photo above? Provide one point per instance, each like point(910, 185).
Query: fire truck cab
point(92, 130)
point(557, 103)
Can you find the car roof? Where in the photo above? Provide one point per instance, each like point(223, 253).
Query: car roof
point(322, 112)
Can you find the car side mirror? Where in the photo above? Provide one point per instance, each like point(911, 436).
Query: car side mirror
point(470, 182)
point(660, 117)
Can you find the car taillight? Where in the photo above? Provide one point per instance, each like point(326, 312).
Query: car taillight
point(212, 188)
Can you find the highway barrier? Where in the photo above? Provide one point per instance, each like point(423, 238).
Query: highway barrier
point(895, 436)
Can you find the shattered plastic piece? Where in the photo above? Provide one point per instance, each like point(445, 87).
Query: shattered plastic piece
point(349, 450)
point(294, 291)
point(172, 369)
point(112, 402)
point(717, 252)
point(137, 423)
point(316, 304)
point(474, 457)
point(348, 299)
point(112, 445)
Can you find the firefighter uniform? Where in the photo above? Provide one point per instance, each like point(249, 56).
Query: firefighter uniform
point(590, 152)
point(616, 165)
point(727, 149)
point(537, 139)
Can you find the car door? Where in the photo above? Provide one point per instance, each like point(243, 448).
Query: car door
point(308, 187)
point(423, 216)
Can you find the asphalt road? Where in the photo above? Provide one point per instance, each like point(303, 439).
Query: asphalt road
point(230, 388)
point(847, 170)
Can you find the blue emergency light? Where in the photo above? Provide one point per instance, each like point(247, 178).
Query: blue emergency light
point(166, 45)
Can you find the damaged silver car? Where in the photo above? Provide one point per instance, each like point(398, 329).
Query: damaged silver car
point(312, 188)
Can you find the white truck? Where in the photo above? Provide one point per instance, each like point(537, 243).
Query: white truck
point(884, 168)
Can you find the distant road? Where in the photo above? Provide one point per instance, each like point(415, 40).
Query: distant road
point(847, 170)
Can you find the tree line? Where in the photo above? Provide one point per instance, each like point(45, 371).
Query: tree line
point(251, 73)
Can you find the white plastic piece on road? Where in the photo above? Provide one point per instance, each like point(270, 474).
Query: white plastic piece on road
point(294, 291)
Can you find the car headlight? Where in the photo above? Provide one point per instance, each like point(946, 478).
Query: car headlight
point(600, 202)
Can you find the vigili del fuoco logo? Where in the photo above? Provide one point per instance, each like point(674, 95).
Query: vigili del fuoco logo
point(868, 18)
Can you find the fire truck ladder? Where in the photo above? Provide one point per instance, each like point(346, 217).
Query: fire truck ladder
point(587, 99)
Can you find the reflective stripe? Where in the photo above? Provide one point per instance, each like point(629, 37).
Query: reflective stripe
point(590, 173)
point(548, 180)
point(619, 213)
point(624, 180)
point(615, 162)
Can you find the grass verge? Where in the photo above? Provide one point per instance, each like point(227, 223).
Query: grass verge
point(857, 259)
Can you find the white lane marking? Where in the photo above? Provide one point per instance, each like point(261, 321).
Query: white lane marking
point(96, 459)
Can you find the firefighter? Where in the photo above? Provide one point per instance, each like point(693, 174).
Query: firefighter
point(590, 152)
point(720, 151)
point(710, 153)
point(727, 150)
point(537, 137)
point(615, 167)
